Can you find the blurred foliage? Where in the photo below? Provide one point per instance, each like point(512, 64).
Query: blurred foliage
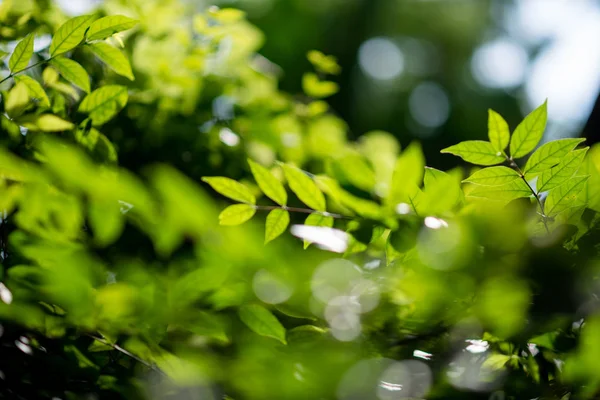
point(118, 282)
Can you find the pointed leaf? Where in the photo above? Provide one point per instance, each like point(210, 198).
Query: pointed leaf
point(104, 103)
point(277, 222)
point(316, 219)
point(17, 100)
point(236, 214)
point(262, 321)
point(44, 123)
point(304, 187)
point(529, 132)
point(504, 193)
point(498, 131)
point(564, 196)
point(440, 194)
point(231, 188)
point(113, 58)
point(555, 176)
point(35, 89)
point(108, 26)
point(269, 185)
point(407, 176)
point(493, 176)
point(549, 154)
point(316, 88)
point(72, 71)
point(70, 34)
point(476, 152)
point(433, 175)
point(22, 54)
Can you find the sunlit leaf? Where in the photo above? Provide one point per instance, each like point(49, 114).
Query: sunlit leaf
point(504, 193)
point(262, 321)
point(22, 54)
point(549, 154)
point(231, 189)
point(113, 58)
point(304, 187)
point(236, 214)
point(408, 174)
point(493, 176)
point(50, 76)
point(564, 196)
point(498, 131)
point(559, 174)
point(323, 63)
point(529, 132)
point(590, 195)
point(269, 185)
point(17, 100)
point(36, 90)
point(44, 123)
point(440, 194)
point(70, 34)
point(316, 219)
point(108, 26)
point(72, 71)
point(316, 88)
point(496, 361)
point(106, 221)
point(277, 222)
point(476, 152)
point(104, 103)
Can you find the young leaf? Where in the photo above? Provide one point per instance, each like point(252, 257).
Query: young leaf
point(529, 132)
point(17, 100)
point(236, 214)
point(408, 174)
point(304, 187)
point(70, 34)
point(108, 26)
point(549, 154)
point(269, 185)
point(231, 188)
point(44, 123)
point(316, 88)
point(104, 103)
point(316, 219)
point(564, 196)
point(22, 54)
point(476, 152)
point(262, 321)
point(498, 131)
point(504, 193)
point(555, 176)
point(277, 222)
point(36, 90)
point(493, 176)
point(72, 71)
point(113, 58)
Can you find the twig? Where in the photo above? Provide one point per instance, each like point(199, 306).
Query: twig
point(302, 210)
point(12, 74)
point(535, 194)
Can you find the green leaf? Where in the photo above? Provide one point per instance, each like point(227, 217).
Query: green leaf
point(269, 185)
point(316, 219)
point(108, 26)
point(316, 88)
point(72, 71)
point(564, 196)
point(529, 132)
point(262, 321)
point(44, 123)
point(323, 63)
point(503, 193)
point(22, 54)
point(17, 100)
point(305, 335)
point(440, 194)
point(476, 152)
point(549, 154)
point(231, 189)
point(555, 176)
point(70, 34)
point(236, 214)
point(496, 361)
point(407, 176)
point(104, 103)
point(277, 222)
point(304, 187)
point(3, 54)
point(590, 195)
point(493, 176)
point(113, 58)
point(106, 221)
point(498, 131)
point(35, 89)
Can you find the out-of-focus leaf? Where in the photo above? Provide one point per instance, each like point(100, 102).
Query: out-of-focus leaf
point(22, 54)
point(495, 361)
point(262, 321)
point(277, 222)
point(316, 88)
point(236, 214)
point(269, 185)
point(408, 175)
point(323, 63)
point(36, 90)
point(72, 71)
point(70, 34)
point(590, 195)
point(108, 26)
point(113, 58)
point(476, 152)
point(231, 189)
point(549, 154)
point(104, 103)
point(304, 187)
point(316, 219)
point(565, 195)
point(17, 100)
point(498, 131)
point(555, 176)
point(44, 123)
point(529, 132)
point(106, 221)
point(493, 176)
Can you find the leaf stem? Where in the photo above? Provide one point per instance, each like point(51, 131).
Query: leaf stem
point(535, 194)
point(302, 210)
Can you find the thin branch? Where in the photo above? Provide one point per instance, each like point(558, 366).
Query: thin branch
point(302, 210)
point(535, 194)
point(11, 75)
